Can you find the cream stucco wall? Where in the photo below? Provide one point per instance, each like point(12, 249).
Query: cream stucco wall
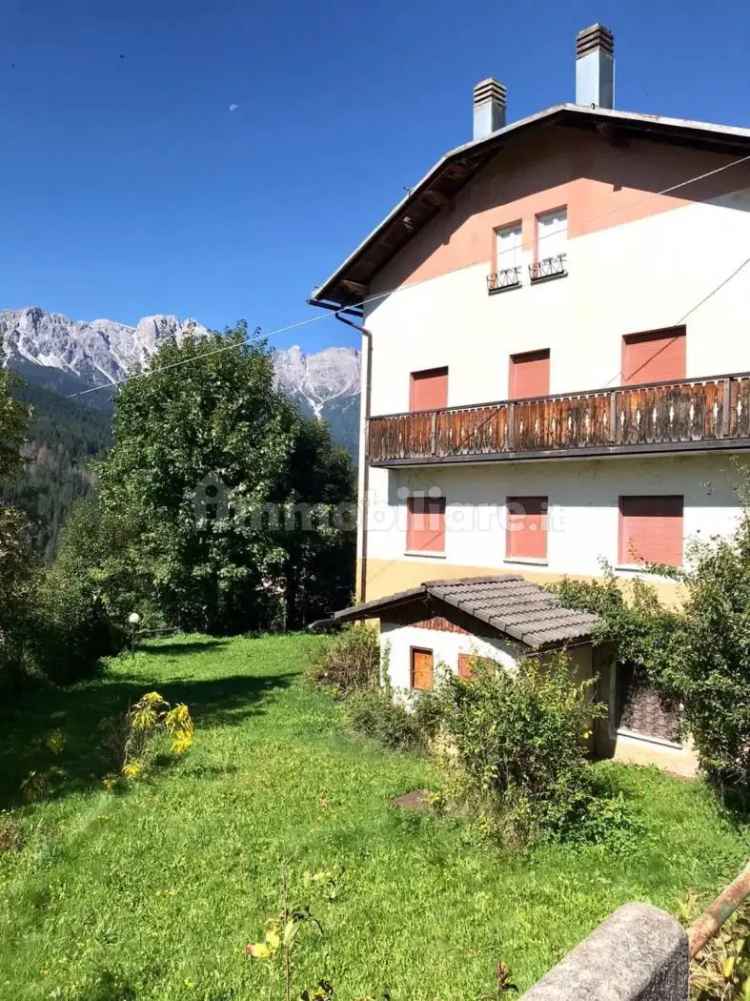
point(583, 512)
point(657, 270)
point(639, 276)
point(396, 642)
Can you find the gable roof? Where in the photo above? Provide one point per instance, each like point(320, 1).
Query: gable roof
point(508, 604)
point(348, 285)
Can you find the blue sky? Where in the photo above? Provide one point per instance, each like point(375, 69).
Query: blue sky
point(129, 187)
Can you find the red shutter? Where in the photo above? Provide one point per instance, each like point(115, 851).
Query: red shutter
point(526, 528)
point(425, 524)
point(465, 665)
point(421, 669)
point(654, 356)
point(529, 375)
point(429, 389)
point(651, 530)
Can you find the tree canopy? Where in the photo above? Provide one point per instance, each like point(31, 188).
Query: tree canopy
point(208, 459)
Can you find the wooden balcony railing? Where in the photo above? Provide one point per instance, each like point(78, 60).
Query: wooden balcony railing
point(665, 416)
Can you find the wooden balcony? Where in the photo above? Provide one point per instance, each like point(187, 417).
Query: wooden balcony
point(691, 414)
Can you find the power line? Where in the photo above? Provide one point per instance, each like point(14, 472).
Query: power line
point(404, 288)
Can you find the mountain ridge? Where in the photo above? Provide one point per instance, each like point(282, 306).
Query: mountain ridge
point(70, 356)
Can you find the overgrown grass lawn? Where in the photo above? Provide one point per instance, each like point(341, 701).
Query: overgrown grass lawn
point(152, 893)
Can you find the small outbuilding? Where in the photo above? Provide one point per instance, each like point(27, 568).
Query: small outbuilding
point(507, 618)
point(451, 622)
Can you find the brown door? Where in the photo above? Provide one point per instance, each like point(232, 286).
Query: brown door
point(421, 669)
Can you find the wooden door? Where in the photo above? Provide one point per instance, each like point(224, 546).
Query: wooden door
point(421, 669)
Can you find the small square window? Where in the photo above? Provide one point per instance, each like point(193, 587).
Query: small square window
point(425, 524)
point(651, 530)
point(526, 528)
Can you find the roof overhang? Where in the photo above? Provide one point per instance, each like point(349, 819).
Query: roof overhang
point(506, 605)
point(349, 284)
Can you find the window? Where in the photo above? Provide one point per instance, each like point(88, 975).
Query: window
point(509, 247)
point(465, 665)
point(526, 528)
point(551, 233)
point(653, 356)
point(508, 250)
point(651, 530)
point(428, 389)
point(421, 669)
point(551, 245)
point(425, 524)
point(529, 375)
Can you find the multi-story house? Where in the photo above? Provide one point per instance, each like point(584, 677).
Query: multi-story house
point(556, 338)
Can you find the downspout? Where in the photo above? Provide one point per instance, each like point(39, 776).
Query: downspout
point(365, 457)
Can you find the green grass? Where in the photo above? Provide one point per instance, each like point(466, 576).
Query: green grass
point(153, 893)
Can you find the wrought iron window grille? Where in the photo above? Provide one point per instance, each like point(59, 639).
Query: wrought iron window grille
point(501, 281)
point(549, 267)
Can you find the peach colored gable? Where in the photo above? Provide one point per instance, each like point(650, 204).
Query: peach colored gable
point(603, 185)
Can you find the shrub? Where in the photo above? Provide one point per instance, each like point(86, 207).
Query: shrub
point(632, 619)
point(373, 713)
point(709, 657)
point(520, 744)
point(350, 662)
point(721, 970)
point(699, 656)
point(134, 738)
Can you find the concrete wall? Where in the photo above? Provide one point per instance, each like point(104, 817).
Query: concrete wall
point(638, 954)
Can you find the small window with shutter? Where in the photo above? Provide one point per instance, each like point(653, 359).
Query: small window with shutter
point(425, 524)
point(654, 356)
point(526, 528)
point(465, 665)
point(421, 669)
point(428, 390)
point(651, 530)
point(529, 375)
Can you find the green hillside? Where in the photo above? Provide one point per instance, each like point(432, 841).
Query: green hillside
point(64, 438)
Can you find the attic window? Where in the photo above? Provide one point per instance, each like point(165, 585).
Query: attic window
point(551, 257)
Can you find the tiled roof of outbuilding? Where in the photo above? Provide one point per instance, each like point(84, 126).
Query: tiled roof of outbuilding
point(509, 604)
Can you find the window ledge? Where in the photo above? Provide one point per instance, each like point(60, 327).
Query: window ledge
point(531, 561)
point(639, 568)
point(548, 278)
point(504, 288)
point(425, 554)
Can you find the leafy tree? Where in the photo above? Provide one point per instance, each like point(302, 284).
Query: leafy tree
point(316, 495)
point(708, 661)
point(209, 467)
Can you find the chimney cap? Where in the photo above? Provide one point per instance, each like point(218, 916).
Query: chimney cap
point(490, 89)
point(596, 36)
